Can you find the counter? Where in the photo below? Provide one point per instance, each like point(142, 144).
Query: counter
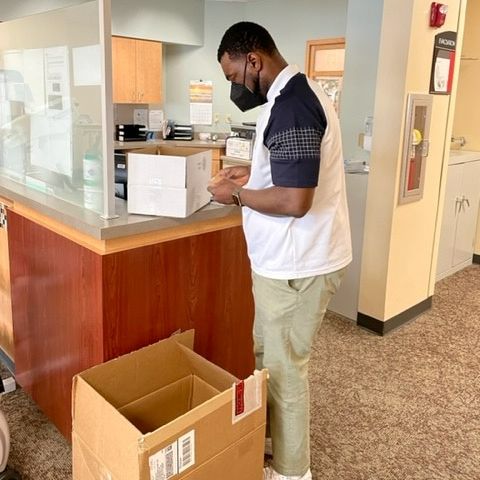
point(87, 290)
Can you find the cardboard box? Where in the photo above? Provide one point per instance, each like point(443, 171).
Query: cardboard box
point(168, 181)
point(165, 412)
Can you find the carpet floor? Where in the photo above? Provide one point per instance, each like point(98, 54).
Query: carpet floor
point(405, 406)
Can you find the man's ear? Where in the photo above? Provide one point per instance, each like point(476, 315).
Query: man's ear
point(254, 61)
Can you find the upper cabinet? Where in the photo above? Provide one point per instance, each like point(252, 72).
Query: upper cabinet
point(137, 70)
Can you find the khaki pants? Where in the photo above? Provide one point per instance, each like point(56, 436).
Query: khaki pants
point(287, 316)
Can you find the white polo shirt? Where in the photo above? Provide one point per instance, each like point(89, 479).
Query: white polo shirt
point(298, 144)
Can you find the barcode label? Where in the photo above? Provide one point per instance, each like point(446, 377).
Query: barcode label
point(173, 459)
point(186, 451)
point(164, 464)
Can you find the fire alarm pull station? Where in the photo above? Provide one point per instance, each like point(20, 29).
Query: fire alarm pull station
point(438, 13)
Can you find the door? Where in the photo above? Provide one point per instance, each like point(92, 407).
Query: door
point(149, 71)
point(124, 70)
point(449, 219)
point(467, 217)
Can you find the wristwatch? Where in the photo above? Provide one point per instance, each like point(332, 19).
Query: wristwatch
point(236, 197)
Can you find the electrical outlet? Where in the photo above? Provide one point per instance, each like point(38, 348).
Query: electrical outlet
point(228, 118)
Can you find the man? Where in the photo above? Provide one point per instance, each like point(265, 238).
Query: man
point(296, 226)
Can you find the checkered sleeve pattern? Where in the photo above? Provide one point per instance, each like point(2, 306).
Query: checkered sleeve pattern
point(295, 156)
point(294, 134)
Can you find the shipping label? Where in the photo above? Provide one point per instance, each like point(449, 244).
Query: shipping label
point(247, 396)
point(173, 459)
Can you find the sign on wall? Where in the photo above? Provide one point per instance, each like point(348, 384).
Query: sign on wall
point(443, 63)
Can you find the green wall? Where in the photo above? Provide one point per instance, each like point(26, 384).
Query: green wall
point(290, 27)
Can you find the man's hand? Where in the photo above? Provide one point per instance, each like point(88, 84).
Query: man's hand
point(221, 189)
point(238, 174)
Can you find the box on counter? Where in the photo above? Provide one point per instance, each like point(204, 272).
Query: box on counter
point(165, 412)
point(168, 181)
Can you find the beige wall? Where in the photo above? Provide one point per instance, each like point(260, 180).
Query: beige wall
point(400, 241)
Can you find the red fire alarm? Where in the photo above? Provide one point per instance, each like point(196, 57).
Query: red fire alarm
point(438, 13)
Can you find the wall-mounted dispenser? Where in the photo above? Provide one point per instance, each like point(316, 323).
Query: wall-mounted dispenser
point(415, 147)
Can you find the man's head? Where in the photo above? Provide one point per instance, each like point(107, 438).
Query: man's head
point(250, 60)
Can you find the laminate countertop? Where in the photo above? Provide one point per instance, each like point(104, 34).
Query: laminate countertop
point(105, 236)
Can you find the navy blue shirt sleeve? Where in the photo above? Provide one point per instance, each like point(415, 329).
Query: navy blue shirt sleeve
point(294, 135)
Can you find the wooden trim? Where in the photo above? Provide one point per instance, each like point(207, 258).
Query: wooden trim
point(105, 247)
point(382, 327)
point(159, 236)
point(476, 258)
point(326, 43)
point(6, 202)
point(95, 245)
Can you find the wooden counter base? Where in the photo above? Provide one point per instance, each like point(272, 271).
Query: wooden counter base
point(74, 308)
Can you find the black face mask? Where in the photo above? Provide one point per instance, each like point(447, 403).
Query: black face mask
point(243, 97)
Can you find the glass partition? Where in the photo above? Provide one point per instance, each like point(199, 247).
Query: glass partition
point(51, 132)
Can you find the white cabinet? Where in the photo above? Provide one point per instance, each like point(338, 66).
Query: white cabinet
point(462, 199)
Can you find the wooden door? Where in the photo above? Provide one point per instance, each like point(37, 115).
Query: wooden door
point(124, 70)
point(6, 324)
point(149, 71)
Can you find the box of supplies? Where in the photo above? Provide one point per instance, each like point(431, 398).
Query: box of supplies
point(168, 181)
point(165, 412)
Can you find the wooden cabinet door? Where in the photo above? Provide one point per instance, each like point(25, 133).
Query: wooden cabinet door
point(467, 216)
point(124, 70)
point(149, 71)
point(6, 324)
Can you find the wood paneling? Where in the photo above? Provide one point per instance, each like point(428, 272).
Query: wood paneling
point(57, 314)
point(73, 308)
point(201, 282)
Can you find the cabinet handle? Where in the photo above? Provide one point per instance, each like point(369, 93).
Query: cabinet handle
point(466, 200)
point(458, 203)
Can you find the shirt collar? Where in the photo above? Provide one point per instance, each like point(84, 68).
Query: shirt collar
point(281, 80)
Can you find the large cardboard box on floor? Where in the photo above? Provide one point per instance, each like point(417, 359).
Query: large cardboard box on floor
point(168, 181)
point(165, 412)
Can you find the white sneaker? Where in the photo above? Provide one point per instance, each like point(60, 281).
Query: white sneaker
point(270, 474)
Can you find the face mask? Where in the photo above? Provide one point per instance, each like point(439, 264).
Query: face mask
point(243, 97)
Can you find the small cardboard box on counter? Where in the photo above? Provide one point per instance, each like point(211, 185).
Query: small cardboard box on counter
point(168, 181)
point(165, 412)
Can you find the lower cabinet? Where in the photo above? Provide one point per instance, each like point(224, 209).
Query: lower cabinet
point(459, 223)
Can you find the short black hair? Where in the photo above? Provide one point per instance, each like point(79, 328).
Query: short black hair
point(245, 37)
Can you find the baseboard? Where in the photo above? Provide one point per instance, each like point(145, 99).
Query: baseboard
point(382, 327)
point(476, 258)
point(7, 361)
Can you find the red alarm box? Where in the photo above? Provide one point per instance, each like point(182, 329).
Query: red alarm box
point(438, 13)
